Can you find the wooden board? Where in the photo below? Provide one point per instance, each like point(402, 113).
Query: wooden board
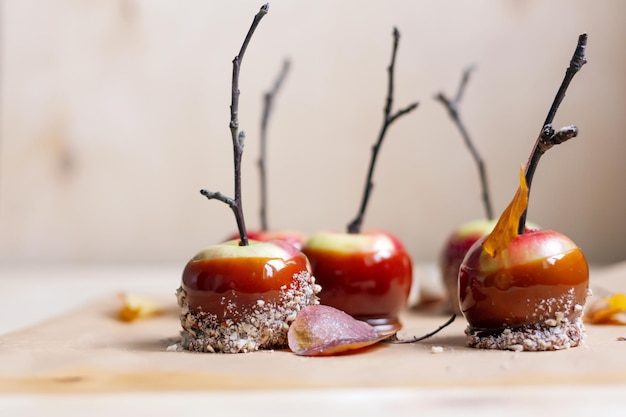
point(90, 350)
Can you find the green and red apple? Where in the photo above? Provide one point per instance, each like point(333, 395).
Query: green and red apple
point(236, 293)
point(454, 250)
point(542, 273)
point(526, 289)
point(367, 274)
point(241, 295)
point(456, 246)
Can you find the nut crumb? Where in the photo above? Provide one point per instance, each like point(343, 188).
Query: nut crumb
point(550, 322)
point(176, 347)
point(436, 349)
point(621, 339)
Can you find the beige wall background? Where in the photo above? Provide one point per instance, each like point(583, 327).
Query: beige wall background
point(115, 113)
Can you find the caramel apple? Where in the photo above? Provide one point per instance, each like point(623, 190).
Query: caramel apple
point(454, 250)
point(366, 274)
point(237, 298)
point(242, 295)
point(451, 256)
point(461, 239)
point(530, 296)
point(525, 289)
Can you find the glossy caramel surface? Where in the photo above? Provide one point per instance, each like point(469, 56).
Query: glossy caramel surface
point(213, 283)
point(365, 285)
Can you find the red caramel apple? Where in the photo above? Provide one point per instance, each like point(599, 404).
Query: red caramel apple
point(367, 275)
point(453, 252)
point(294, 237)
point(525, 289)
point(242, 298)
point(536, 288)
point(461, 239)
point(241, 295)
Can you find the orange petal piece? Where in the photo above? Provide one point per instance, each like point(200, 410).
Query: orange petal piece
point(135, 307)
point(506, 229)
point(320, 330)
point(609, 310)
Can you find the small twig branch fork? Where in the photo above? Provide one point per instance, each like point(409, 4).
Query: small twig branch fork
point(388, 118)
point(237, 136)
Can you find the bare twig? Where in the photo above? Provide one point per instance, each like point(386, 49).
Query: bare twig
point(238, 137)
point(426, 336)
point(268, 106)
point(548, 137)
point(388, 119)
point(453, 110)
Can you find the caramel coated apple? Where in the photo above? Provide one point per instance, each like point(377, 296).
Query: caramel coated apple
point(241, 298)
point(538, 284)
point(367, 275)
point(456, 247)
point(453, 253)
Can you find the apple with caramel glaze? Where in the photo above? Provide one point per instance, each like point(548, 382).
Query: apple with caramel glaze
point(454, 250)
point(461, 239)
point(242, 298)
point(525, 289)
point(541, 276)
point(241, 295)
point(367, 275)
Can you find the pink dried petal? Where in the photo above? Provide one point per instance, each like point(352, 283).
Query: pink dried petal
point(323, 330)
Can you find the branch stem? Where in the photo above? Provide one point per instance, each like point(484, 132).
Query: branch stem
point(237, 136)
point(426, 336)
point(388, 118)
point(453, 111)
point(268, 106)
point(548, 137)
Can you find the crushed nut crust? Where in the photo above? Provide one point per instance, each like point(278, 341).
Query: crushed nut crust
point(265, 326)
point(558, 326)
point(551, 335)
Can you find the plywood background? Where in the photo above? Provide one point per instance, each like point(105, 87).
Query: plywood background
point(115, 113)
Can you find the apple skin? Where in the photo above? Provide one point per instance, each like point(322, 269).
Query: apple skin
point(242, 274)
point(540, 275)
point(294, 237)
point(368, 275)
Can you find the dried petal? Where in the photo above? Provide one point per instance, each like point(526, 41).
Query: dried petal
point(608, 310)
point(322, 330)
point(506, 229)
point(135, 307)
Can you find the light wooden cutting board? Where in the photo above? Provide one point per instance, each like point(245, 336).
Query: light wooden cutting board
point(90, 350)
